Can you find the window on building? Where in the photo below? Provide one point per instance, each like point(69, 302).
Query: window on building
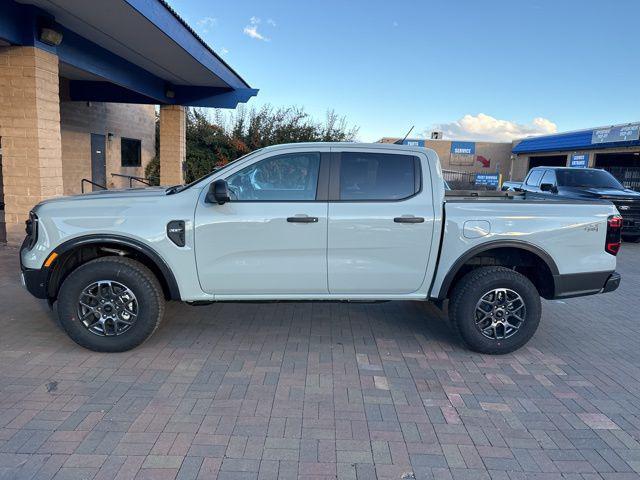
point(130, 152)
point(378, 176)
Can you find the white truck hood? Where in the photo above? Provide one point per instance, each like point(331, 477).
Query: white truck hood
point(109, 195)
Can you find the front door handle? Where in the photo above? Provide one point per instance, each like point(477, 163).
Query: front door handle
point(302, 219)
point(409, 219)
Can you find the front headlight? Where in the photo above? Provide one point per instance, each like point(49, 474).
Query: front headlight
point(31, 229)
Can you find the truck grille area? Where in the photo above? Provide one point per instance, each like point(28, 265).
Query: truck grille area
point(630, 211)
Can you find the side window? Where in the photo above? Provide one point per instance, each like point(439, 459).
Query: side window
point(378, 176)
point(289, 177)
point(549, 177)
point(533, 180)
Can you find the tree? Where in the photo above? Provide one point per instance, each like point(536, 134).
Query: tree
point(224, 136)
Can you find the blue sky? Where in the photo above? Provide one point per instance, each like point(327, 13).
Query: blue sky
point(474, 69)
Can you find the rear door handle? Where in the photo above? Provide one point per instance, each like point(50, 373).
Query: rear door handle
point(409, 219)
point(302, 219)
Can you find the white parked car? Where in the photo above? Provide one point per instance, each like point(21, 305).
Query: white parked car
point(316, 221)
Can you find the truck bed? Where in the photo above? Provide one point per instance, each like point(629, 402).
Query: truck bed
point(493, 195)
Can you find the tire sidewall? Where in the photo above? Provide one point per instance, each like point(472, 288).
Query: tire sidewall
point(148, 306)
point(465, 314)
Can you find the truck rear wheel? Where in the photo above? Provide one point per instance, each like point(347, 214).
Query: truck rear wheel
point(495, 310)
point(110, 304)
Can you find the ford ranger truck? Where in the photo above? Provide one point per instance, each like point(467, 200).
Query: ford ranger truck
point(317, 221)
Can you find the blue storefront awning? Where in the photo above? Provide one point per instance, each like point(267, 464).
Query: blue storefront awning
point(133, 51)
point(598, 138)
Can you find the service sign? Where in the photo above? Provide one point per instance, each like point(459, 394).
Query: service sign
point(579, 160)
point(463, 148)
point(488, 179)
point(624, 133)
point(414, 143)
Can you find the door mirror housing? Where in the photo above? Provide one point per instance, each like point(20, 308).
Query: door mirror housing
point(548, 187)
point(218, 193)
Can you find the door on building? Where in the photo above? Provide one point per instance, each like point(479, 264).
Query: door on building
point(625, 166)
point(98, 161)
point(548, 161)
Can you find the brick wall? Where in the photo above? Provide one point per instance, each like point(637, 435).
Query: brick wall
point(80, 119)
point(30, 131)
point(173, 147)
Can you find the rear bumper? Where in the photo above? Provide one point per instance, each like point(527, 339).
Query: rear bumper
point(581, 284)
point(612, 283)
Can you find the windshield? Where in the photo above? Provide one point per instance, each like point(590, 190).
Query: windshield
point(180, 188)
point(587, 178)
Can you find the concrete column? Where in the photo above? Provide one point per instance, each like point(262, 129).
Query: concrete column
point(30, 133)
point(173, 144)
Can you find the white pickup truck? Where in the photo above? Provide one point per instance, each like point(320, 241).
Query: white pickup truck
point(316, 221)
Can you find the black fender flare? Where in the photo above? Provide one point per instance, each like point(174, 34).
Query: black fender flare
point(492, 245)
point(120, 240)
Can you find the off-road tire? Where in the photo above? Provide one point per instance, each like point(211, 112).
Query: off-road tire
point(471, 288)
point(138, 278)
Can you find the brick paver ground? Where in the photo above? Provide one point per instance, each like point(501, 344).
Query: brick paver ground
point(321, 391)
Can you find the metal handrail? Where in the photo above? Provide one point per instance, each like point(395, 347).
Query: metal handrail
point(132, 178)
point(86, 180)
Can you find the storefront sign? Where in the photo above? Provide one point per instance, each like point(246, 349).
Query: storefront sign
point(462, 153)
point(488, 179)
point(579, 160)
point(463, 148)
point(414, 143)
point(624, 133)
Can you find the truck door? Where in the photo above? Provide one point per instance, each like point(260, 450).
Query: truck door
point(271, 238)
point(381, 221)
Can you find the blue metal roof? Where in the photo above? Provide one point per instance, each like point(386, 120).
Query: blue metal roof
point(580, 140)
point(136, 51)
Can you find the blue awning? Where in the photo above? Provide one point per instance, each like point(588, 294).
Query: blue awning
point(581, 140)
point(137, 51)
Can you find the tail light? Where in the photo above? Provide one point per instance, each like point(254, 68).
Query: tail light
point(614, 230)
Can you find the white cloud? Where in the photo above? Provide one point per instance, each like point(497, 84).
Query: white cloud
point(206, 24)
point(223, 51)
point(272, 22)
point(251, 30)
point(488, 128)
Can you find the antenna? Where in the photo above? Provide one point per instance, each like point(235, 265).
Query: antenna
point(405, 137)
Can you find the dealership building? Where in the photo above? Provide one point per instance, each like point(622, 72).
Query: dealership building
point(465, 156)
point(614, 148)
point(80, 86)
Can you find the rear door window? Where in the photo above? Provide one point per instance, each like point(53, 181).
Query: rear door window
point(378, 176)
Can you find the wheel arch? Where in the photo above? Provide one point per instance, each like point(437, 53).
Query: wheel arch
point(510, 253)
point(79, 250)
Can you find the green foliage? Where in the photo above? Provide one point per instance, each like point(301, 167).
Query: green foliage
point(216, 139)
point(152, 170)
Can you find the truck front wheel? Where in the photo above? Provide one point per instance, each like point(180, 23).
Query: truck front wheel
point(110, 304)
point(495, 310)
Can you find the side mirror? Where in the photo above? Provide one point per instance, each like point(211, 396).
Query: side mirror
point(548, 187)
point(218, 193)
